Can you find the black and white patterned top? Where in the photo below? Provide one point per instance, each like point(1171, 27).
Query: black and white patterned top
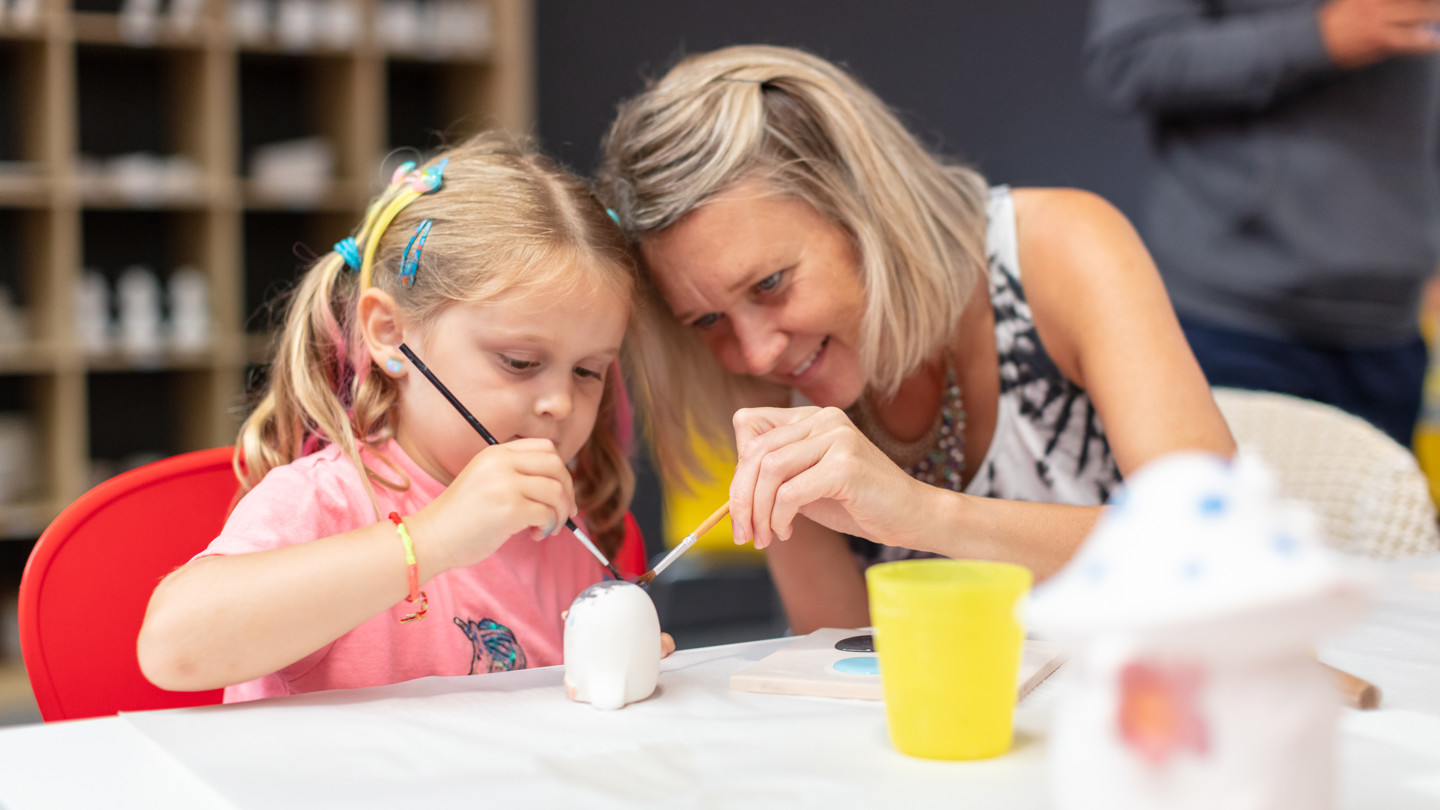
point(1049, 445)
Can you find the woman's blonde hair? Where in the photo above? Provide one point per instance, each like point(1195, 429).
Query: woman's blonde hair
point(505, 218)
point(805, 128)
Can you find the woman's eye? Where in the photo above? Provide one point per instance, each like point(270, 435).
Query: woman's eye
point(706, 321)
point(770, 282)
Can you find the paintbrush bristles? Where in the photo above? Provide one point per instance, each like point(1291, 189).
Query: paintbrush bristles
point(684, 545)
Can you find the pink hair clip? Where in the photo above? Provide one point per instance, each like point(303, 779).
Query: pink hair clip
point(402, 170)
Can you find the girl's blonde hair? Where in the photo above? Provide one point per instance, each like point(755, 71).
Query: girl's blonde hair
point(505, 218)
point(805, 128)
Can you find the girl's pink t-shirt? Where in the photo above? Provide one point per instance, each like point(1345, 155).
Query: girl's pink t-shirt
point(500, 614)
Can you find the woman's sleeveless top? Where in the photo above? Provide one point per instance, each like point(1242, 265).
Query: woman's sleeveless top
point(1048, 445)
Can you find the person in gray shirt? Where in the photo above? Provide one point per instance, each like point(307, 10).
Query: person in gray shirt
point(1294, 208)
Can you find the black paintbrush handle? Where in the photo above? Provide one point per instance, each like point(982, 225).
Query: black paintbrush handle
point(489, 439)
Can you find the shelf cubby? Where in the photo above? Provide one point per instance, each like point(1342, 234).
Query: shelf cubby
point(125, 144)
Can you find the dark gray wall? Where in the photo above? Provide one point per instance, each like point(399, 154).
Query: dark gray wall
point(993, 82)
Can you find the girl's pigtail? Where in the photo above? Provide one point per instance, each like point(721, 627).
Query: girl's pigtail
point(310, 378)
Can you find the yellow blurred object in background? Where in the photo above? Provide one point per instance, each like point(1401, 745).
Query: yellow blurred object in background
point(685, 511)
point(1427, 428)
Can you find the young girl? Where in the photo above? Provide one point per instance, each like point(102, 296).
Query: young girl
point(380, 539)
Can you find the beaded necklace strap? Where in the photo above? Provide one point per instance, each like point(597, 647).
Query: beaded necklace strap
point(938, 456)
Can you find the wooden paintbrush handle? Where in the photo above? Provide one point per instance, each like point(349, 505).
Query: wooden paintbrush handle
point(715, 517)
point(1358, 693)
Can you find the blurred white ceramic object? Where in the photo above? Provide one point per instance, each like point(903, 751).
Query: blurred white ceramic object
point(183, 17)
point(297, 172)
point(94, 326)
point(24, 14)
point(250, 21)
point(612, 645)
point(398, 25)
point(295, 23)
point(1194, 605)
point(338, 23)
point(138, 294)
point(189, 293)
point(19, 464)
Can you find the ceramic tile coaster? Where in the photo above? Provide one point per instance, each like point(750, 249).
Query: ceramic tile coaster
point(808, 667)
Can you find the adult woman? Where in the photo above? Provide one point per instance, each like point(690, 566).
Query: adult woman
point(801, 245)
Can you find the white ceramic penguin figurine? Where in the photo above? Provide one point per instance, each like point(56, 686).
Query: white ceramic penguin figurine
point(612, 645)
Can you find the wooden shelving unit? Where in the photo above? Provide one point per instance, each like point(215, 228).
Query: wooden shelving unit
point(78, 91)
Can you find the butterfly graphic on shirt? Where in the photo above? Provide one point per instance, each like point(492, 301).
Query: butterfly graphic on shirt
point(495, 648)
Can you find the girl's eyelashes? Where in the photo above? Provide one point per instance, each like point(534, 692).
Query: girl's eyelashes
point(516, 364)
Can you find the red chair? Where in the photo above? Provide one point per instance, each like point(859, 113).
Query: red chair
point(87, 583)
point(630, 559)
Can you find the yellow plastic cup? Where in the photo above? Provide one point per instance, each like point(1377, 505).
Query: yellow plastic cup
point(949, 640)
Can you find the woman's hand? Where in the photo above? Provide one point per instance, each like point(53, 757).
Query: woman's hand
point(506, 489)
point(814, 462)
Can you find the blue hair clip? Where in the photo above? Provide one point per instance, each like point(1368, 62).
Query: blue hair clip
point(614, 216)
point(410, 264)
point(350, 252)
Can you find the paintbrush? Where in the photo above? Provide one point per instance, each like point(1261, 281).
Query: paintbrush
point(684, 545)
point(1356, 693)
point(489, 439)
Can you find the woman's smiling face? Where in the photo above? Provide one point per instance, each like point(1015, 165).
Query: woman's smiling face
point(771, 286)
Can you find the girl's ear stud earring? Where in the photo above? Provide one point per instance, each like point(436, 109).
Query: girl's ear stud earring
point(393, 365)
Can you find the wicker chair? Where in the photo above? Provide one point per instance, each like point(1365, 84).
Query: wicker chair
point(1369, 492)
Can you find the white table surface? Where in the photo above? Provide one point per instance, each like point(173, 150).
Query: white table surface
point(514, 737)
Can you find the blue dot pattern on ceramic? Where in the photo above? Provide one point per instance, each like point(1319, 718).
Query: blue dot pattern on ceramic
point(1212, 505)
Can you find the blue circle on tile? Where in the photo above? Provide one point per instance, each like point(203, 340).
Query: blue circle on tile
point(859, 665)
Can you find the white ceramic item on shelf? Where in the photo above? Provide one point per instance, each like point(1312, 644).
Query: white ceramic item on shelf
point(189, 294)
point(612, 645)
point(138, 293)
point(94, 326)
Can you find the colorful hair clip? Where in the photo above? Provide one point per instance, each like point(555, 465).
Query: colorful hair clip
point(410, 264)
point(402, 170)
point(430, 179)
point(406, 187)
point(349, 252)
point(614, 216)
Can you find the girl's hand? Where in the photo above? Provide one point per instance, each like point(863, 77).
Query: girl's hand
point(667, 645)
point(815, 462)
point(506, 489)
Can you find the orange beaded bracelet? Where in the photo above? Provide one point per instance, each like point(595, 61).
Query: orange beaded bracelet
point(412, 571)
